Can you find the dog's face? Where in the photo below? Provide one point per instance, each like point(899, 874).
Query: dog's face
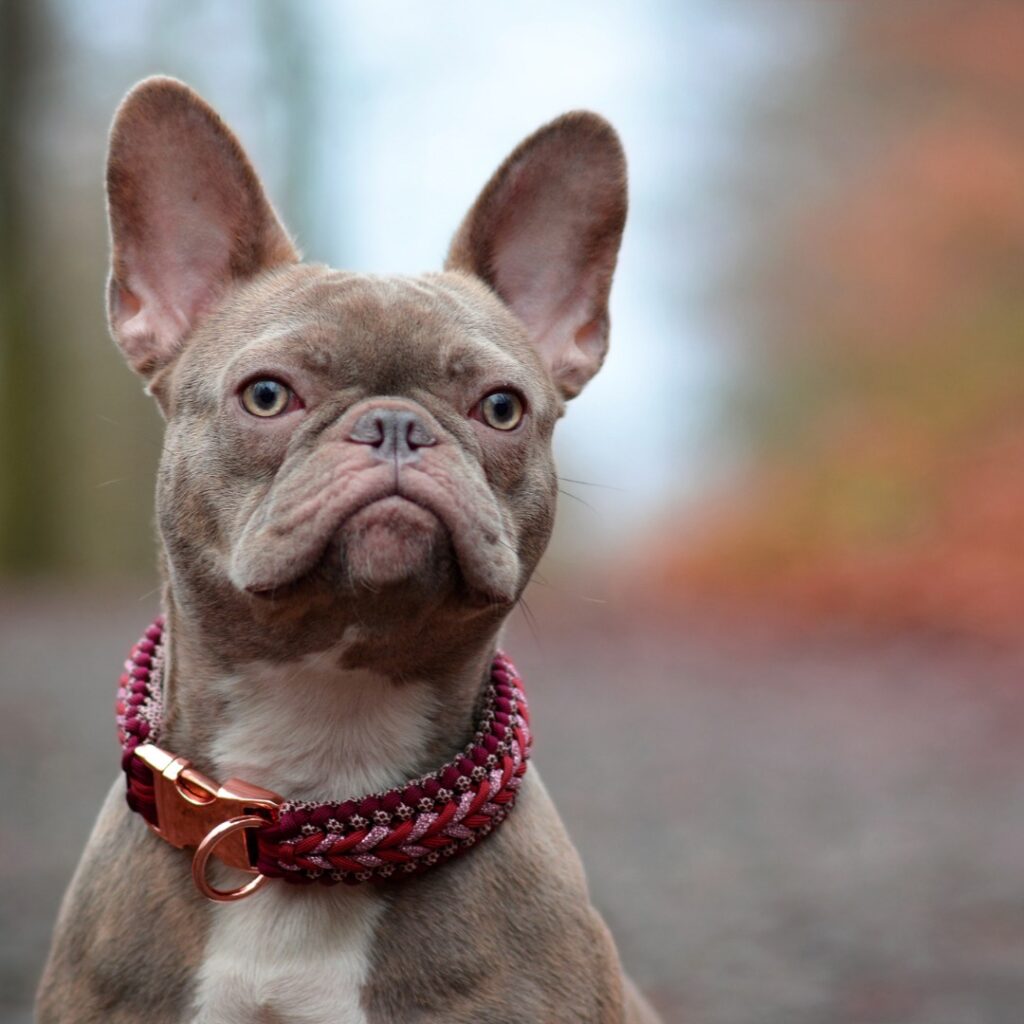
point(345, 450)
point(336, 436)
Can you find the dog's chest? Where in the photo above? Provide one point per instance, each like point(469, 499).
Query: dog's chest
point(289, 956)
point(292, 955)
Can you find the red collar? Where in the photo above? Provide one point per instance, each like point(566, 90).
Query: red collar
point(402, 831)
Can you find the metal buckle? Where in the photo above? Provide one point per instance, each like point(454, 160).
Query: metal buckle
point(190, 807)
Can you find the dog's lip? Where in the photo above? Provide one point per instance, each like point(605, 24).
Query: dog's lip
point(380, 499)
point(487, 563)
point(429, 493)
point(276, 590)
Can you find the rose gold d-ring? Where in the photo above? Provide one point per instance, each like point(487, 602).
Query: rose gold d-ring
point(205, 848)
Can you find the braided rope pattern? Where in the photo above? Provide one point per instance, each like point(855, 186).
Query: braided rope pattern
point(399, 832)
point(139, 710)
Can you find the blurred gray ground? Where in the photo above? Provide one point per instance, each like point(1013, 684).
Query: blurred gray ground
point(793, 831)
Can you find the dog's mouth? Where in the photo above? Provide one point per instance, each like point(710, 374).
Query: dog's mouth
point(391, 541)
point(412, 535)
point(388, 541)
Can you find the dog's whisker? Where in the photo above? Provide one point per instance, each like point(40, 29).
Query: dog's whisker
point(588, 483)
point(566, 592)
point(114, 423)
point(531, 621)
point(538, 575)
point(576, 497)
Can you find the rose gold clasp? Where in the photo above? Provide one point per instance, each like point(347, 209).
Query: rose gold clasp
point(191, 807)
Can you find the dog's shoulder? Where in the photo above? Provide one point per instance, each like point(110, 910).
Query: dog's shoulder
point(527, 946)
point(130, 932)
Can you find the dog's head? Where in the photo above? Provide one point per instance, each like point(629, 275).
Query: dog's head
point(344, 448)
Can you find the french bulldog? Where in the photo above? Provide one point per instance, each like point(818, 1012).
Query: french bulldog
point(355, 487)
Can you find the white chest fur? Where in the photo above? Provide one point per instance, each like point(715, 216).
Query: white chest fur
point(306, 730)
point(288, 956)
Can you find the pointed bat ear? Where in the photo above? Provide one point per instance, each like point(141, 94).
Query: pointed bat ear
point(545, 233)
point(188, 217)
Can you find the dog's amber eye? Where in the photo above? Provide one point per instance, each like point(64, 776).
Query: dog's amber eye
point(266, 398)
point(502, 410)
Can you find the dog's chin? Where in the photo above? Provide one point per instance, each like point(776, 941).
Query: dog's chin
point(393, 543)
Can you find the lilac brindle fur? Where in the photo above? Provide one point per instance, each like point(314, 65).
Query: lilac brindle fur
point(336, 576)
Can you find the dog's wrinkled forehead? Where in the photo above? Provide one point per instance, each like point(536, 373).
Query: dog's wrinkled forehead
point(445, 334)
point(204, 276)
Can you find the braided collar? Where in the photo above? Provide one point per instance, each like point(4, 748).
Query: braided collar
point(399, 832)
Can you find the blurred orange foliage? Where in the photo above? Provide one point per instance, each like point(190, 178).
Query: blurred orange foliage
point(884, 414)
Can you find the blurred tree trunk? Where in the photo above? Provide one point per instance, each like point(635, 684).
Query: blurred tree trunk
point(78, 439)
point(26, 434)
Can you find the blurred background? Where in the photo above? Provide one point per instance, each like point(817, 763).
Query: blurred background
point(786, 588)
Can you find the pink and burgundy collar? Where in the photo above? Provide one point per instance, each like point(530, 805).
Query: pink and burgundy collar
point(379, 836)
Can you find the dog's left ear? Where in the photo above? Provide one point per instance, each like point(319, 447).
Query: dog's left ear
point(545, 233)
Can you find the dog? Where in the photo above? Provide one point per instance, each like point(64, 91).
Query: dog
point(355, 487)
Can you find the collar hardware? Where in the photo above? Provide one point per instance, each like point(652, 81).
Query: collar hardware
point(230, 828)
point(190, 805)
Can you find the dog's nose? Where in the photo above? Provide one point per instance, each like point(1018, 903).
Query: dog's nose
point(394, 433)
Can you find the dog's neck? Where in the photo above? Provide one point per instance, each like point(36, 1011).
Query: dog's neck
point(306, 726)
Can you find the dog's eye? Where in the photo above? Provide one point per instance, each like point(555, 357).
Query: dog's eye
point(266, 397)
point(502, 410)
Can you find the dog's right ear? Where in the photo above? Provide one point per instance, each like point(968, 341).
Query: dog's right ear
point(545, 233)
point(188, 217)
